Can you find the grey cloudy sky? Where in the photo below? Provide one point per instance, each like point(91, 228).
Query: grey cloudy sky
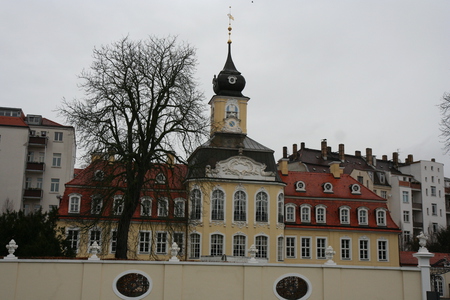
point(361, 73)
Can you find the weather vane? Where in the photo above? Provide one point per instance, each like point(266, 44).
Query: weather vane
point(230, 17)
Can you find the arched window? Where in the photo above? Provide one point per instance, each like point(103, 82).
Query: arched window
point(290, 212)
point(261, 207)
point(194, 246)
point(216, 244)
point(118, 205)
point(280, 208)
point(74, 203)
point(381, 216)
point(163, 207)
point(240, 206)
point(280, 249)
point(146, 206)
point(344, 214)
point(321, 213)
point(239, 245)
point(439, 285)
point(262, 244)
point(179, 208)
point(196, 204)
point(217, 204)
point(305, 211)
point(362, 216)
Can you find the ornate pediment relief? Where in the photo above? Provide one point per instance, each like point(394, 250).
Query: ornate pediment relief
point(240, 167)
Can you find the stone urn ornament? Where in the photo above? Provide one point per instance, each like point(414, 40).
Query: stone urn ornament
point(12, 246)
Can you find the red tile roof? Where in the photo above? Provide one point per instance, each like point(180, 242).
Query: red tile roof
point(12, 121)
point(47, 122)
point(407, 259)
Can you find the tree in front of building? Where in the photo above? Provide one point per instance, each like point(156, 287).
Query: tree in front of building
point(444, 107)
point(36, 234)
point(141, 105)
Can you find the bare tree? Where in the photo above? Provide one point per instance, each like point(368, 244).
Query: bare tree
point(141, 103)
point(444, 107)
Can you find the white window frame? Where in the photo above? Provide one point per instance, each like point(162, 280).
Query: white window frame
point(145, 207)
point(76, 206)
point(179, 210)
point(218, 197)
point(290, 246)
point(306, 249)
point(180, 244)
point(260, 246)
point(305, 213)
point(345, 253)
point(262, 207)
point(54, 185)
point(92, 240)
point(280, 208)
point(161, 244)
point(144, 242)
point(406, 216)
point(77, 240)
point(405, 196)
point(219, 246)
point(113, 241)
point(163, 207)
point(237, 248)
point(58, 136)
point(240, 206)
point(323, 208)
point(344, 218)
point(195, 202)
point(280, 248)
point(363, 216)
point(320, 249)
point(290, 212)
point(380, 251)
point(98, 209)
point(380, 215)
point(118, 205)
point(56, 160)
point(362, 250)
point(434, 210)
point(197, 245)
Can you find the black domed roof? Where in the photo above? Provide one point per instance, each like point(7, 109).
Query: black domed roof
point(229, 82)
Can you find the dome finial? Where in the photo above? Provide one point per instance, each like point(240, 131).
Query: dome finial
point(230, 17)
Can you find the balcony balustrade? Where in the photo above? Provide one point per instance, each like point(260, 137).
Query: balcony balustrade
point(32, 193)
point(35, 166)
point(37, 141)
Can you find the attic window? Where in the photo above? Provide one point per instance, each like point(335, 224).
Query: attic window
point(160, 178)
point(300, 186)
point(356, 189)
point(327, 187)
point(99, 175)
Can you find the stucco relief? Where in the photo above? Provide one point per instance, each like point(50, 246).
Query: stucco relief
point(239, 224)
point(240, 167)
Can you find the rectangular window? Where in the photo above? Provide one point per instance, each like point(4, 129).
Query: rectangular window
point(163, 207)
point(216, 244)
point(306, 247)
point(179, 209)
point(161, 243)
point(28, 183)
point(434, 209)
point(39, 183)
point(382, 251)
point(406, 216)
point(195, 245)
point(280, 256)
point(406, 236)
point(94, 236)
point(433, 191)
point(41, 157)
point(144, 242)
point(345, 249)
point(58, 136)
point(321, 246)
point(290, 247)
point(363, 249)
point(435, 227)
point(239, 245)
point(262, 243)
point(54, 185)
point(72, 238)
point(360, 179)
point(405, 196)
point(56, 162)
point(305, 214)
point(384, 194)
point(113, 246)
point(178, 237)
point(30, 157)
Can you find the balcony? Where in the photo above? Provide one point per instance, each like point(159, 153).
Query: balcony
point(417, 206)
point(32, 193)
point(37, 141)
point(415, 186)
point(417, 225)
point(35, 166)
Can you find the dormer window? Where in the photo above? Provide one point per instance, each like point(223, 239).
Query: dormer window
point(290, 212)
point(305, 213)
point(344, 215)
point(321, 211)
point(99, 175)
point(300, 186)
point(356, 189)
point(380, 215)
point(160, 178)
point(328, 188)
point(362, 216)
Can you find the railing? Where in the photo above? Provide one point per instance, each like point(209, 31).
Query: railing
point(37, 141)
point(417, 206)
point(418, 224)
point(32, 193)
point(35, 166)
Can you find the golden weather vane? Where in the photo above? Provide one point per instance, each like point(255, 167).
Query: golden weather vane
point(230, 17)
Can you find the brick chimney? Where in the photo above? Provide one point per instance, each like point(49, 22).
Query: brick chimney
point(395, 158)
point(294, 151)
point(324, 149)
point(341, 152)
point(369, 157)
point(384, 157)
point(358, 153)
point(302, 145)
point(283, 163)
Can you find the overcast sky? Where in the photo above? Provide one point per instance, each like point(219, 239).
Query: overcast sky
point(361, 73)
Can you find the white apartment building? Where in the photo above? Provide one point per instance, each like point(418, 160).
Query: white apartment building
point(37, 158)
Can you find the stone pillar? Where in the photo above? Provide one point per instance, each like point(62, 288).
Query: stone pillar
point(423, 258)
